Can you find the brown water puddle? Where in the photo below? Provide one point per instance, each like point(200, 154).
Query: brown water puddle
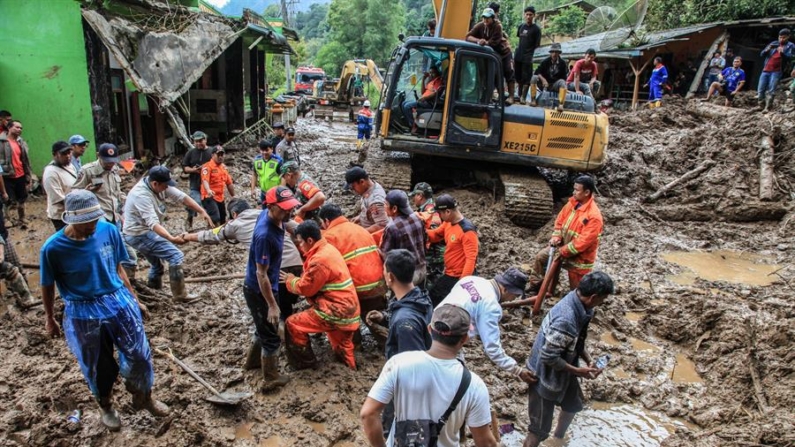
point(637, 344)
point(685, 371)
point(607, 424)
point(722, 265)
point(243, 431)
point(634, 316)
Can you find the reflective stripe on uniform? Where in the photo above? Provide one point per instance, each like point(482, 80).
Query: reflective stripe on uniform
point(358, 252)
point(336, 320)
point(368, 287)
point(337, 286)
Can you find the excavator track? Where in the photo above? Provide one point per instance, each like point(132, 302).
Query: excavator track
point(391, 169)
point(528, 199)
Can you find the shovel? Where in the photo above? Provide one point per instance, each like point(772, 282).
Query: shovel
point(228, 398)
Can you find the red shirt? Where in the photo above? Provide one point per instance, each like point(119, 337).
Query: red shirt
point(773, 63)
point(587, 70)
point(16, 158)
point(433, 86)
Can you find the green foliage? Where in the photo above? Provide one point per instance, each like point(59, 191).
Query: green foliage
point(667, 14)
point(272, 10)
point(312, 24)
point(331, 56)
point(569, 21)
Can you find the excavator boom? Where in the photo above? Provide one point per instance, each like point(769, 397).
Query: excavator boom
point(453, 18)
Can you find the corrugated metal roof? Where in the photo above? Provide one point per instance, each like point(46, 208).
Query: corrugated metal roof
point(273, 42)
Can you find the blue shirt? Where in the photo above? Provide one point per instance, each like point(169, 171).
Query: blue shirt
point(84, 271)
point(733, 77)
point(658, 76)
point(266, 249)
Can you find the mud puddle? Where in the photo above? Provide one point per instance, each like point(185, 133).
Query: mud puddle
point(722, 265)
point(610, 424)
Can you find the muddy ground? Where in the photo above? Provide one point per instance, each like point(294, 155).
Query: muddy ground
point(710, 349)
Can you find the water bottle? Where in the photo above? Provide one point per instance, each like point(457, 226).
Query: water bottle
point(74, 417)
point(601, 362)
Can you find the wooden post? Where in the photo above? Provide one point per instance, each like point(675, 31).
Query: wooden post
point(766, 169)
point(636, 90)
point(700, 73)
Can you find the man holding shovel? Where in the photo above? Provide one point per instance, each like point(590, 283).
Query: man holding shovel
point(578, 229)
point(101, 310)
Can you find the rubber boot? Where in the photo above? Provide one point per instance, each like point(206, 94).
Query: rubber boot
point(523, 94)
point(142, 400)
point(189, 224)
point(108, 416)
point(155, 283)
point(511, 92)
point(270, 373)
point(253, 357)
point(177, 280)
point(23, 224)
point(18, 285)
point(299, 357)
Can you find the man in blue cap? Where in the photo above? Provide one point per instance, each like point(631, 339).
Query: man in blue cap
point(101, 310)
point(79, 145)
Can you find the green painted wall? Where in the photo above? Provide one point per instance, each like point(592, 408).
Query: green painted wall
point(44, 74)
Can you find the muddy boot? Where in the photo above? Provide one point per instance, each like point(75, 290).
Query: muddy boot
point(108, 416)
point(768, 104)
point(253, 357)
point(189, 224)
point(177, 281)
point(523, 97)
point(155, 283)
point(18, 285)
point(300, 357)
point(142, 400)
point(270, 373)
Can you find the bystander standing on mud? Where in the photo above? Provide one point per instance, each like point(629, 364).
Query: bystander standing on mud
point(192, 165)
point(555, 357)
point(461, 246)
point(778, 55)
point(214, 179)
point(287, 148)
point(57, 180)
point(265, 170)
point(15, 168)
point(101, 309)
point(79, 145)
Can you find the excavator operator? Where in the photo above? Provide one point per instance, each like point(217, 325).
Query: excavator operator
point(431, 89)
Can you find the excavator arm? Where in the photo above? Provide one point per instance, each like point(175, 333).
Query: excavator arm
point(454, 18)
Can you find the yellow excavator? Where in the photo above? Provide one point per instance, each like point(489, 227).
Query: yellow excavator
point(469, 135)
point(347, 92)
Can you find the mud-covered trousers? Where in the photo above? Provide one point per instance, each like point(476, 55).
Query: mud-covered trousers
point(265, 332)
point(93, 328)
point(540, 270)
point(340, 336)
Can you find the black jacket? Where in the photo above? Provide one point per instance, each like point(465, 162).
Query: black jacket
point(409, 318)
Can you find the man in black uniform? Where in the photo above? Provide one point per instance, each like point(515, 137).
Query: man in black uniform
point(192, 165)
point(529, 35)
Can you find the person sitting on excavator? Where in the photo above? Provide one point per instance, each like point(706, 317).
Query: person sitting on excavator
point(489, 32)
point(364, 124)
point(430, 90)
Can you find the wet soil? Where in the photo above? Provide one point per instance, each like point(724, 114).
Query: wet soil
point(712, 354)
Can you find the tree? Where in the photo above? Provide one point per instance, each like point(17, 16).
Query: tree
point(312, 24)
point(690, 12)
point(272, 10)
point(570, 20)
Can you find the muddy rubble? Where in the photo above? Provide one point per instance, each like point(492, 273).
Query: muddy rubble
point(701, 349)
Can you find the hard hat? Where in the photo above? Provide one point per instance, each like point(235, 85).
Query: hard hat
point(366, 103)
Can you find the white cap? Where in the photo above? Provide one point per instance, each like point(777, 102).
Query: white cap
point(366, 103)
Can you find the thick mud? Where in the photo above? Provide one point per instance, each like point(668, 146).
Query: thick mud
point(700, 331)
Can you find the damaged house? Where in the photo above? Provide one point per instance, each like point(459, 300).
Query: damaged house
point(142, 74)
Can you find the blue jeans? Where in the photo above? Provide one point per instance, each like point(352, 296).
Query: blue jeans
point(156, 249)
point(196, 195)
point(768, 81)
point(710, 79)
point(132, 262)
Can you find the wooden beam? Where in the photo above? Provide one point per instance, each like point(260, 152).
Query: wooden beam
point(636, 90)
point(700, 73)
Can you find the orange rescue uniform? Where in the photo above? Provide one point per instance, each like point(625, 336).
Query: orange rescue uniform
point(461, 252)
point(361, 255)
point(334, 308)
point(217, 177)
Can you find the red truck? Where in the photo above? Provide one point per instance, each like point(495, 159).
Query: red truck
point(305, 78)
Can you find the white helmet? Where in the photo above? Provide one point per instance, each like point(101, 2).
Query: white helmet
point(366, 103)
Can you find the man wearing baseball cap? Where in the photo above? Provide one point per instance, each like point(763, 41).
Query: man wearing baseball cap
point(57, 180)
point(102, 178)
point(215, 178)
point(79, 145)
point(192, 165)
point(372, 214)
point(489, 32)
point(261, 286)
point(101, 310)
point(287, 149)
point(143, 229)
point(461, 252)
point(482, 297)
point(423, 384)
point(278, 133)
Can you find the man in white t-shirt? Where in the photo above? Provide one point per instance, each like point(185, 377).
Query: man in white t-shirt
point(422, 385)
